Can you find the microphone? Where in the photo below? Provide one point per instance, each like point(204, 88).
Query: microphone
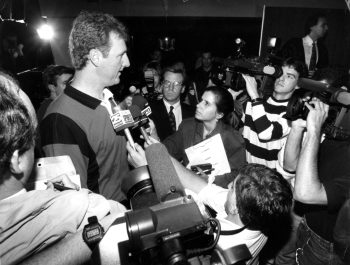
point(142, 103)
point(165, 180)
point(140, 121)
point(317, 86)
point(123, 120)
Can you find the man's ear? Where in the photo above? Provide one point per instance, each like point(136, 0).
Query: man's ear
point(95, 56)
point(15, 165)
point(51, 87)
point(219, 115)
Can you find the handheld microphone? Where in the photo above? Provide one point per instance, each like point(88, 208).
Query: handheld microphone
point(165, 180)
point(140, 121)
point(142, 103)
point(123, 120)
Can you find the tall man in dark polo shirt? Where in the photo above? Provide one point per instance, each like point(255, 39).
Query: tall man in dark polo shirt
point(77, 123)
point(169, 112)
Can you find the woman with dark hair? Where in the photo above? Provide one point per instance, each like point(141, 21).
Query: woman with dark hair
point(213, 115)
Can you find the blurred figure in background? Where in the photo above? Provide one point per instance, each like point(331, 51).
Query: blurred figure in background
point(55, 78)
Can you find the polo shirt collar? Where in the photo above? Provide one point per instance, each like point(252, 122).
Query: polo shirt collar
point(82, 98)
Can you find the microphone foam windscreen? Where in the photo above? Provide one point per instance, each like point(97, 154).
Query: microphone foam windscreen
point(164, 177)
point(135, 111)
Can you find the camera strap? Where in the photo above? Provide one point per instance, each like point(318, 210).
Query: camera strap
point(232, 232)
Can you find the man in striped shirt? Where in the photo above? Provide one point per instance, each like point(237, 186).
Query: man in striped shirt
point(265, 128)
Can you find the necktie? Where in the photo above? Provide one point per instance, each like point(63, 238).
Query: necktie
point(312, 64)
point(172, 119)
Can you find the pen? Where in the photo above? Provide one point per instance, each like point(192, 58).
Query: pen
point(60, 186)
point(206, 171)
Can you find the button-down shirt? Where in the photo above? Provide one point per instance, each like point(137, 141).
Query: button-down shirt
point(177, 111)
point(307, 43)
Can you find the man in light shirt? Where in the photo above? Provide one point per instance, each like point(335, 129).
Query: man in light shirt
point(310, 48)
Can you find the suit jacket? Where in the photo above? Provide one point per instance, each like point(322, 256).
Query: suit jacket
point(294, 48)
point(160, 117)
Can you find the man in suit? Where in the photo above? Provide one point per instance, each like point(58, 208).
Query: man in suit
point(310, 48)
point(169, 112)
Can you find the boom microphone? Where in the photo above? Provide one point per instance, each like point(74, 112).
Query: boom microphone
point(165, 179)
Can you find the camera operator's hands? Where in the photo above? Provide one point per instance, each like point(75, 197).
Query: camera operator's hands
point(252, 86)
point(298, 125)
point(137, 156)
point(317, 115)
point(234, 94)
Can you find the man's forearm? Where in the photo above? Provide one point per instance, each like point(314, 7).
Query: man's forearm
point(187, 178)
point(71, 250)
point(308, 188)
point(292, 149)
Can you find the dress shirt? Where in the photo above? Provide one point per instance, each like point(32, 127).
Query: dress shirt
point(307, 43)
point(177, 111)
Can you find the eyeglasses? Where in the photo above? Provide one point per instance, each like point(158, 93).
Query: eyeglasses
point(167, 84)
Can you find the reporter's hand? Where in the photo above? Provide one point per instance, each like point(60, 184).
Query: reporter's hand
point(62, 180)
point(152, 131)
point(151, 141)
point(252, 87)
point(137, 156)
point(318, 112)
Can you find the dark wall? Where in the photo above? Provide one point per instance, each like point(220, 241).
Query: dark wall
point(193, 34)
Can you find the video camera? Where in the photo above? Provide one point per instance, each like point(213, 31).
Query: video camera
point(229, 71)
point(326, 90)
point(165, 226)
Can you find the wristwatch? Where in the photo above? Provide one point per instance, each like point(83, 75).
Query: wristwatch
point(93, 232)
point(256, 101)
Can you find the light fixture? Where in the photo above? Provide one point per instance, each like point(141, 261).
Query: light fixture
point(45, 32)
point(167, 44)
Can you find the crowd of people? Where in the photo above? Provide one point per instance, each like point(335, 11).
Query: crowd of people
point(279, 169)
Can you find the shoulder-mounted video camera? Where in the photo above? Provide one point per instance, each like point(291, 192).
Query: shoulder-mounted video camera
point(228, 72)
point(165, 225)
point(323, 90)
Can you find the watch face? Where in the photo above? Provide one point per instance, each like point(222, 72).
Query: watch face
point(93, 232)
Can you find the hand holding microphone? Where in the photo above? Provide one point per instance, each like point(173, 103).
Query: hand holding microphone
point(140, 121)
point(123, 120)
point(136, 156)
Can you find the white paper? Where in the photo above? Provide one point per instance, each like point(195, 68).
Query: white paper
point(47, 168)
point(210, 151)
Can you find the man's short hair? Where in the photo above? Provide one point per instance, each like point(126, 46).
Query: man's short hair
point(263, 196)
point(312, 21)
point(52, 72)
point(175, 70)
point(17, 131)
point(298, 66)
point(91, 30)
